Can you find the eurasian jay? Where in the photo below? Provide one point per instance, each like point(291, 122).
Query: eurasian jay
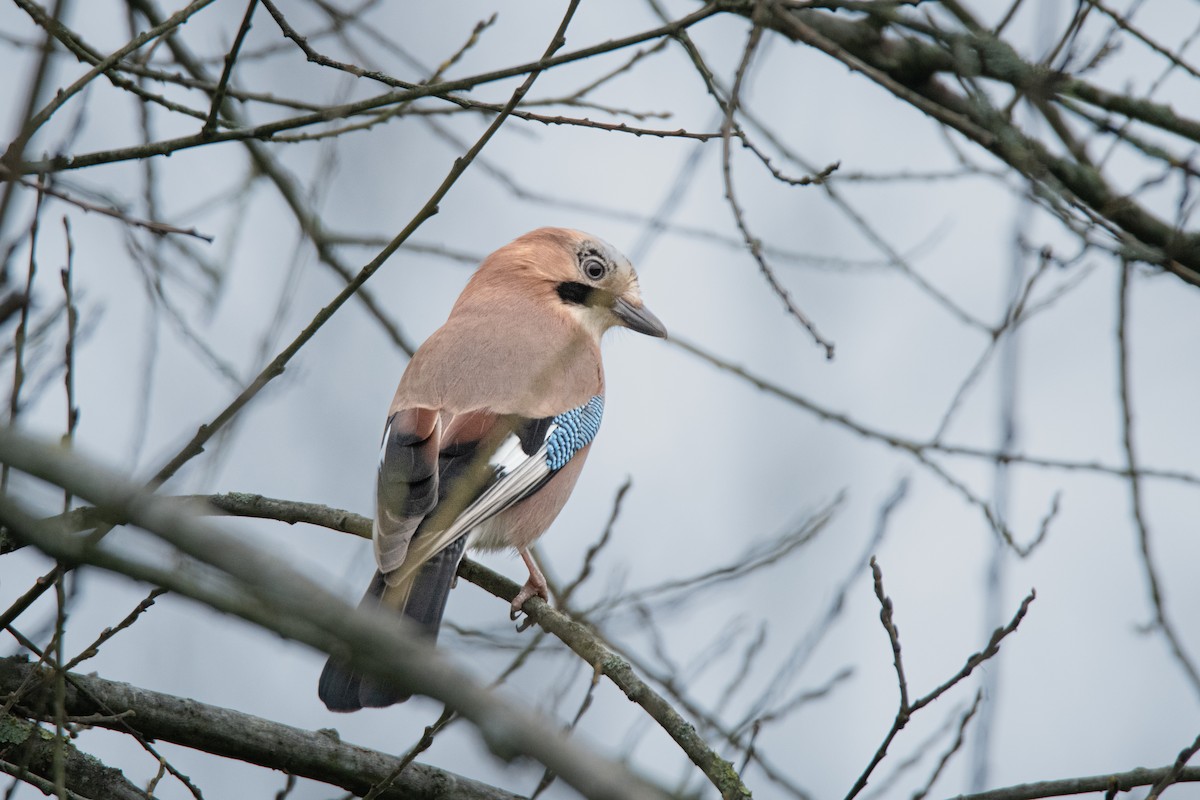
point(490, 427)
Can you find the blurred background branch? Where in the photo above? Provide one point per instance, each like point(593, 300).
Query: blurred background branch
point(969, 199)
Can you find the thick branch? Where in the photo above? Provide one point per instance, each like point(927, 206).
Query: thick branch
point(27, 752)
point(231, 576)
point(581, 639)
point(318, 755)
point(908, 67)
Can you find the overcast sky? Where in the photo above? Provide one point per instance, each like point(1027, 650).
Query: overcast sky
point(717, 466)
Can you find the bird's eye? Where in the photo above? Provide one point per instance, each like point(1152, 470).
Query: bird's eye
point(593, 268)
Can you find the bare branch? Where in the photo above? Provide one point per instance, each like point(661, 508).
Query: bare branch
point(1157, 604)
point(275, 368)
point(1065, 787)
point(218, 98)
point(234, 577)
point(319, 755)
point(860, 46)
point(906, 707)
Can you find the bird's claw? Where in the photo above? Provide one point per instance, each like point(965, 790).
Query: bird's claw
point(515, 613)
point(531, 588)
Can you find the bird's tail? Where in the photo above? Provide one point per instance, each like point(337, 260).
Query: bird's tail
point(341, 687)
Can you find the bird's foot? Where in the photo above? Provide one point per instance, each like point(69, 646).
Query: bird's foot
point(534, 587)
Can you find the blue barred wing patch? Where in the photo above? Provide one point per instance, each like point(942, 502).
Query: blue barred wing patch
point(523, 464)
point(571, 431)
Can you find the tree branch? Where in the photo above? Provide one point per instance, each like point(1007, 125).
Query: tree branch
point(907, 67)
point(232, 576)
point(1115, 782)
point(28, 752)
point(580, 638)
point(319, 755)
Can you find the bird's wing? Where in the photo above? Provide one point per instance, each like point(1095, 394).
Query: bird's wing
point(492, 464)
point(406, 488)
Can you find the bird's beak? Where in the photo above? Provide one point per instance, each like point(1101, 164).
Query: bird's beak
point(638, 318)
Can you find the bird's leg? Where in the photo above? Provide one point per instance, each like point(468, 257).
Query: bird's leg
point(535, 586)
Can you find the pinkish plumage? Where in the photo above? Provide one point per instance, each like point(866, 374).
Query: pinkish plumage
point(467, 446)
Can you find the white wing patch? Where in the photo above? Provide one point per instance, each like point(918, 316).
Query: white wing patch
point(519, 476)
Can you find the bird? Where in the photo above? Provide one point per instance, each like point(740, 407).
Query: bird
point(489, 428)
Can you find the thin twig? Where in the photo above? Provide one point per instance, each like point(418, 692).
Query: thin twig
point(405, 94)
point(955, 746)
point(195, 446)
point(907, 708)
point(308, 220)
point(388, 782)
point(1176, 770)
point(153, 226)
point(63, 95)
point(548, 775)
point(20, 335)
point(754, 245)
point(218, 95)
point(1157, 604)
point(93, 649)
point(59, 766)
point(585, 570)
point(69, 348)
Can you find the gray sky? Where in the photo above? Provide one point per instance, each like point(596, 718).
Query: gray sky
point(717, 466)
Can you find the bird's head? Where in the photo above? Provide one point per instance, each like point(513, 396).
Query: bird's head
point(589, 278)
